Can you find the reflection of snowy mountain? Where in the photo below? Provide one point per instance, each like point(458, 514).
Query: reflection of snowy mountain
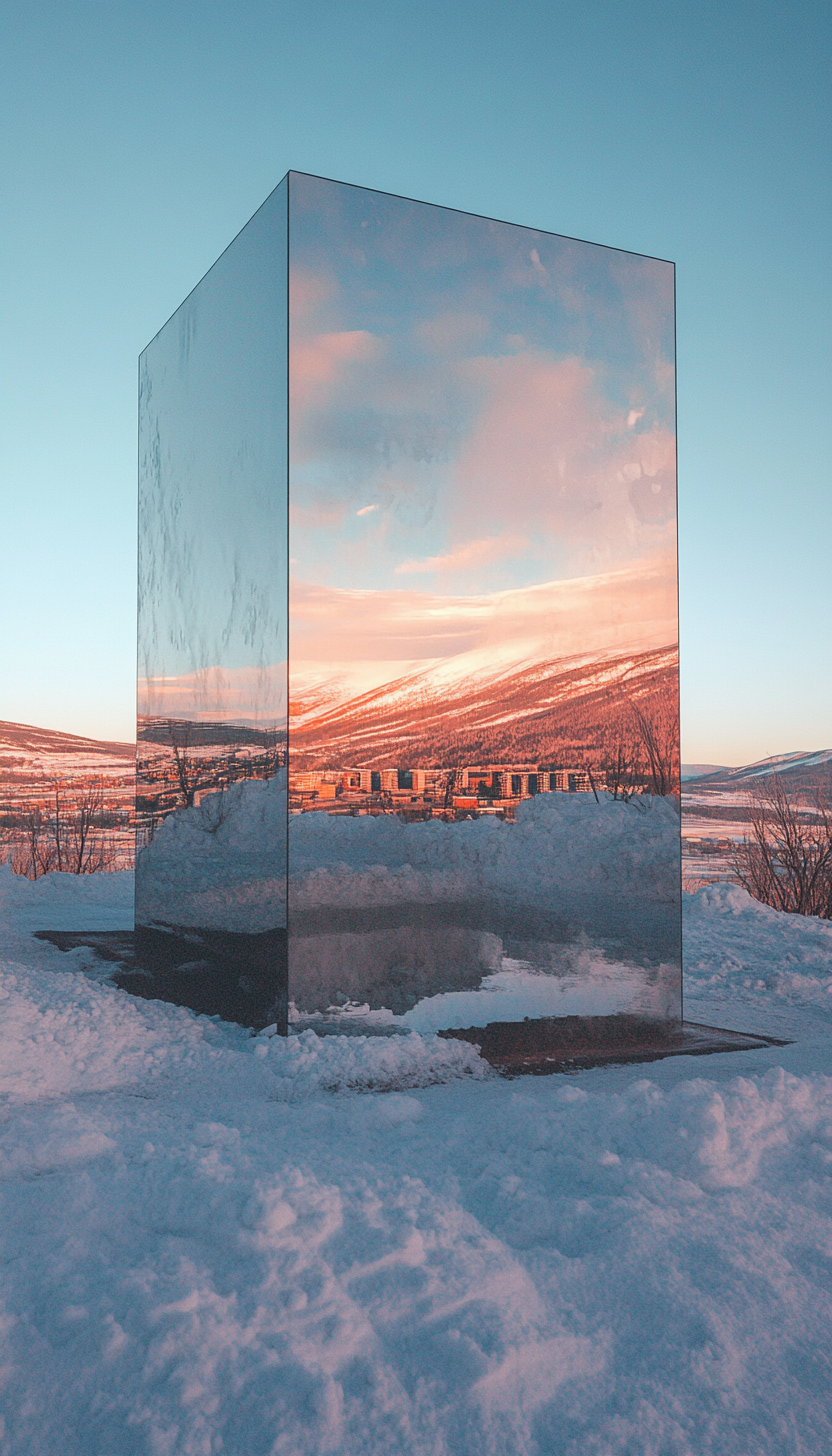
point(496, 704)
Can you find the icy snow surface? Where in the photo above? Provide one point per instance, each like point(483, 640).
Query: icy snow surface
point(216, 1243)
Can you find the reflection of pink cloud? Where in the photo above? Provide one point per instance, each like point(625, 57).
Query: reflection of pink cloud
point(550, 452)
point(451, 332)
point(475, 553)
point(630, 609)
point(320, 359)
point(308, 292)
point(253, 695)
point(523, 445)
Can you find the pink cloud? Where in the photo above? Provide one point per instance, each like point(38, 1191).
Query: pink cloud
point(474, 553)
point(551, 455)
point(633, 608)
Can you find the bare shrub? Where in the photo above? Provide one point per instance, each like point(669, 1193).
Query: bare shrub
point(32, 847)
point(66, 833)
point(657, 723)
point(786, 859)
point(622, 764)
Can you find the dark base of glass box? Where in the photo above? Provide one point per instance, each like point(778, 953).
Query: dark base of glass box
point(239, 977)
point(243, 978)
point(573, 1043)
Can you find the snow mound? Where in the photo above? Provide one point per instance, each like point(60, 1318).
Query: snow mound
point(66, 902)
point(66, 1034)
point(562, 842)
point(307, 1063)
point(211, 1244)
point(220, 864)
point(733, 942)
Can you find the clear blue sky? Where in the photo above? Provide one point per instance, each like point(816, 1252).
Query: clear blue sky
point(140, 136)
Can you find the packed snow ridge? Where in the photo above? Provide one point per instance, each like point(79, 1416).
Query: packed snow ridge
point(225, 854)
point(223, 1243)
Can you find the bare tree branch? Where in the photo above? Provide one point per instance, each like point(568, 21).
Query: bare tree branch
point(786, 858)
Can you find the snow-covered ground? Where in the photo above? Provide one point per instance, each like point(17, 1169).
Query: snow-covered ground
point(216, 1243)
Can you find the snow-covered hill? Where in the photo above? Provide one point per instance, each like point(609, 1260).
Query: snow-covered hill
point(34, 761)
point(795, 768)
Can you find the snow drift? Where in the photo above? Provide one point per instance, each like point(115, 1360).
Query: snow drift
point(217, 1242)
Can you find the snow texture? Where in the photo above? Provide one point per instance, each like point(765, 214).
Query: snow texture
point(560, 840)
point(217, 1243)
point(222, 863)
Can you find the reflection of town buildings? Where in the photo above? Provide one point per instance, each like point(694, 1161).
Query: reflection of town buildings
point(180, 762)
point(439, 792)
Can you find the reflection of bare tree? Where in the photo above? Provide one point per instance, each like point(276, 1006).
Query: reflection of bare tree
point(657, 726)
point(180, 738)
point(623, 763)
point(786, 860)
point(192, 759)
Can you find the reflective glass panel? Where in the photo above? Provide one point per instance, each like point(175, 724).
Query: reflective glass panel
point(212, 650)
point(483, 745)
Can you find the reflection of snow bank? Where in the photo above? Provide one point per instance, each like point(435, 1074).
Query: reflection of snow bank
point(561, 842)
point(394, 913)
point(596, 988)
point(220, 865)
point(228, 851)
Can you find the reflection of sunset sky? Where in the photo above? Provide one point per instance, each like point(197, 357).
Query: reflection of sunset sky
point(255, 696)
point(475, 407)
point(372, 637)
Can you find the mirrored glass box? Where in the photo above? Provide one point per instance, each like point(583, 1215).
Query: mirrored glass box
point(408, 750)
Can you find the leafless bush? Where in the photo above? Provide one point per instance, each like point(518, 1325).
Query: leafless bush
point(786, 859)
point(65, 833)
point(657, 723)
point(622, 765)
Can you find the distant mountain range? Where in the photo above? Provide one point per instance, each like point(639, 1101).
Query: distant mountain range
point(700, 770)
point(803, 772)
point(34, 761)
point(22, 740)
point(516, 704)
